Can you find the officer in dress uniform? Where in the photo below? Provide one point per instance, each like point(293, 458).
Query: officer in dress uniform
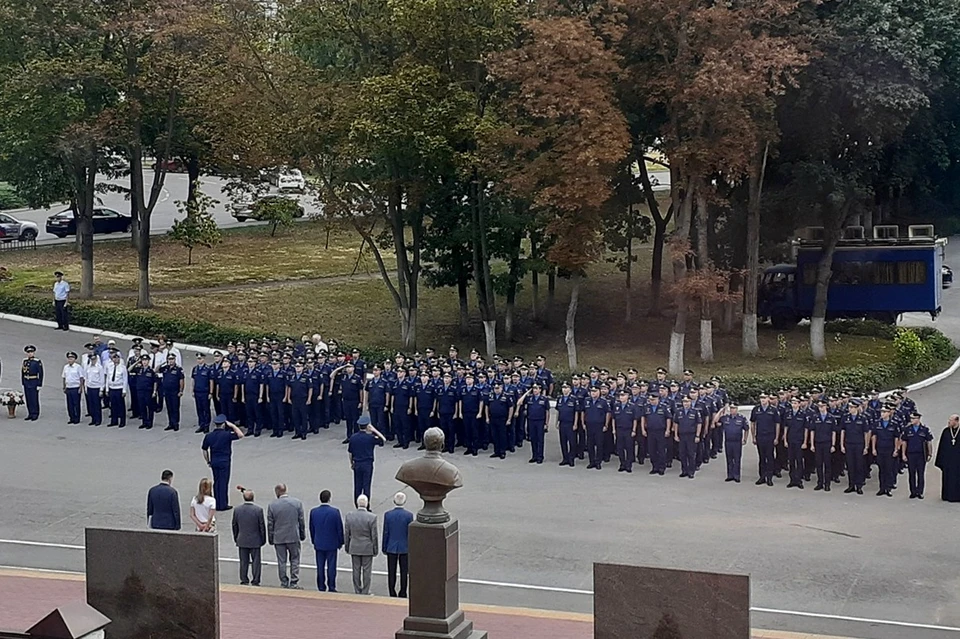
point(146, 389)
point(351, 391)
point(171, 389)
point(765, 426)
point(93, 382)
point(536, 405)
point(425, 405)
point(854, 434)
point(447, 401)
point(73, 378)
point(401, 408)
point(252, 396)
point(795, 439)
point(657, 426)
point(596, 418)
point(118, 386)
point(31, 376)
point(624, 416)
point(298, 396)
point(915, 449)
point(498, 407)
point(735, 427)
point(822, 438)
point(687, 430)
point(470, 407)
point(201, 374)
point(276, 394)
point(568, 423)
point(884, 444)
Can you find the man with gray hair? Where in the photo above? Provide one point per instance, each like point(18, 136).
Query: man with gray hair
point(250, 534)
point(395, 525)
point(285, 531)
point(360, 540)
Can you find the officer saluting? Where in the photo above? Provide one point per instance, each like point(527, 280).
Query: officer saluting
point(31, 376)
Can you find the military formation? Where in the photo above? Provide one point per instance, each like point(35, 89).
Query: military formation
point(304, 387)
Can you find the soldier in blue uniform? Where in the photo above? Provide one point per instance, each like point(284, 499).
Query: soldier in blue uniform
point(425, 405)
point(202, 389)
point(298, 396)
point(31, 376)
point(214, 369)
point(854, 435)
point(687, 430)
point(320, 410)
point(537, 408)
point(735, 427)
point(915, 449)
point(401, 408)
point(498, 407)
point(252, 395)
point(822, 428)
point(624, 416)
point(375, 398)
point(765, 426)
point(171, 389)
point(795, 439)
point(447, 401)
point(596, 419)
point(276, 397)
point(568, 422)
point(885, 444)
point(146, 384)
point(579, 389)
point(351, 390)
point(226, 389)
point(656, 425)
point(469, 409)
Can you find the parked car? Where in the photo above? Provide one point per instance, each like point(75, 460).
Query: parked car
point(946, 276)
point(105, 220)
point(13, 229)
point(172, 165)
point(254, 211)
point(291, 181)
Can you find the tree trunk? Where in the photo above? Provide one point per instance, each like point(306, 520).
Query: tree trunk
point(143, 266)
point(678, 336)
point(570, 337)
point(706, 334)
point(464, 304)
point(193, 181)
point(486, 300)
point(490, 336)
point(729, 307)
point(86, 183)
point(534, 281)
point(660, 223)
point(551, 294)
point(513, 283)
point(134, 220)
point(628, 307)
point(750, 345)
point(189, 256)
point(818, 316)
point(704, 263)
point(411, 342)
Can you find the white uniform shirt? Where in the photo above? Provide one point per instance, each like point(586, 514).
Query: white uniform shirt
point(94, 375)
point(72, 375)
point(61, 290)
point(173, 350)
point(116, 377)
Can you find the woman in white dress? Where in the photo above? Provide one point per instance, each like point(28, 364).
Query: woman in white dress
point(203, 507)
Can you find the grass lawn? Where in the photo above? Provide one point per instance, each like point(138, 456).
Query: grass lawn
point(245, 255)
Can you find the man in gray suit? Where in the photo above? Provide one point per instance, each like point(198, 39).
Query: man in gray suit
point(250, 534)
point(360, 541)
point(285, 530)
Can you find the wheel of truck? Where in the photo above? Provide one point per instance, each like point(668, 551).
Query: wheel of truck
point(783, 321)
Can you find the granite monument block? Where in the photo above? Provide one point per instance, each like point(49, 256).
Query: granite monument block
point(156, 584)
point(658, 603)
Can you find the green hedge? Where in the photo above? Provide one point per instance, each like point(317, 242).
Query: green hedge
point(148, 324)
point(746, 389)
point(9, 198)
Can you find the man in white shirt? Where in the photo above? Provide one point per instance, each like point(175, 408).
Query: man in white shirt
point(136, 350)
point(169, 349)
point(319, 344)
point(105, 355)
point(61, 301)
point(73, 387)
point(93, 379)
point(156, 358)
point(117, 383)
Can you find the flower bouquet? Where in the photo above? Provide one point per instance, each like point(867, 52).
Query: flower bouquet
point(11, 399)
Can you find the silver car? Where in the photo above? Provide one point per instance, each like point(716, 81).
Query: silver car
point(13, 229)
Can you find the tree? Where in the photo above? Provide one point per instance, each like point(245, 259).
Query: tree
point(565, 139)
point(198, 227)
point(278, 212)
point(623, 225)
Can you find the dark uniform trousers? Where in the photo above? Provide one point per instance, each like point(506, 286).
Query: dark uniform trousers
point(470, 432)
point(716, 441)
point(221, 484)
point(625, 447)
point(118, 408)
point(688, 453)
point(822, 462)
point(362, 479)
point(401, 426)
point(300, 410)
point(916, 467)
point(642, 448)
point(568, 446)
point(276, 416)
point(94, 407)
point(536, 433)
point(856, 464)
point(449, 432)
point(765, 451)
point(250, 409)
point(378, 419)
point(595, 437)
point(795, 461)
point(581, 441)
point(657, 447)
point(73, 404)
point(498, 432)
point(202, 402)
point(318, 415)
point(172, 400)
point(734, 455)
point(888, 468)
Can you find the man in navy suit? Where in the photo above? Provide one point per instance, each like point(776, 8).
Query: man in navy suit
point(163, 504)
point(326, 534)
point(395, 525)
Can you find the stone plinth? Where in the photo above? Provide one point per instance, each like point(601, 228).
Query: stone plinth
point(656, 603)
point(434, 590)
point(156, 584)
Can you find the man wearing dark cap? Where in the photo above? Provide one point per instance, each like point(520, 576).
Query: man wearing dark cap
point(822, 428)
point(537, 408)
point(795, 439)
point(854, 431)
point(73, 387)
point(145, 380)
point(568, 422)
point(360, 448)
point(275, 386)
point(765, 427)
point(31, 377)
point(884, 443)
point(298, 396)
point(624, 415)
point(915, 445)
point(596, 418)
point(217, 447)
point(202, 376)
point(687, 430)
point(61, 301)
point(498, 407)
point(171, 382)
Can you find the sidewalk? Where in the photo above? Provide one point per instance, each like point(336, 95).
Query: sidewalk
point(271, 613)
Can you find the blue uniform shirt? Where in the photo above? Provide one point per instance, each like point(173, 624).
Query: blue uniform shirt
point(595, 411)
point(377, 389)
point(31, 375)
point(499, 405)
point(624, 416)
point(146, 379)
point(688, 419)
point(567, 408)
point(766, 420)
point(796, 423)
point(220, 444)
point(201, 379)
point(855, 429)
point(887, 432)
point(171, 376)
point(299, 386)
point(471, 397)
point(537, 407)
point(915, 436)
point(823, 427)
point(447, 398)
point(350, 388)
point(734, 426)
point(361, 447)
point(657, 417)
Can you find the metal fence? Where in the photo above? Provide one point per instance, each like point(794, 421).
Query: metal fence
point(15, 245)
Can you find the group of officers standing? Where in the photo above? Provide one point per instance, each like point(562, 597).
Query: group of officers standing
point(269, 386)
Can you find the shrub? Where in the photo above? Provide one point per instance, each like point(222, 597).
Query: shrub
point(912, 354)
point(746, 389)
point(9, 198)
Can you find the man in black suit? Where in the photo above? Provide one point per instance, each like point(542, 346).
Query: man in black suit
point(250, 534)
point(163, 504)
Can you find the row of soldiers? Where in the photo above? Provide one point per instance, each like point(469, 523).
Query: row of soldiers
point(305, 388)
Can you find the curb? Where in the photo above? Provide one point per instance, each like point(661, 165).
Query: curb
point(924, 383)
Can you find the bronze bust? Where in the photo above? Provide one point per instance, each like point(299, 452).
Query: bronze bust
point(432, 477)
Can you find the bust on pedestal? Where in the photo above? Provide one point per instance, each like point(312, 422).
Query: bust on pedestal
point(434, 549)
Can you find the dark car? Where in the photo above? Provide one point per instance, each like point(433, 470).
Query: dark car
point(104, 221)
point(946, 276)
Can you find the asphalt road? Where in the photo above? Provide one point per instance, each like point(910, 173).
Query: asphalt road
point(174, 189)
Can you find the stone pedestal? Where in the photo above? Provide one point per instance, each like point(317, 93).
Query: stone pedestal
point(434, 589)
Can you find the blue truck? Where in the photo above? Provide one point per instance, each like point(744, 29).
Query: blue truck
point(877, 278)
